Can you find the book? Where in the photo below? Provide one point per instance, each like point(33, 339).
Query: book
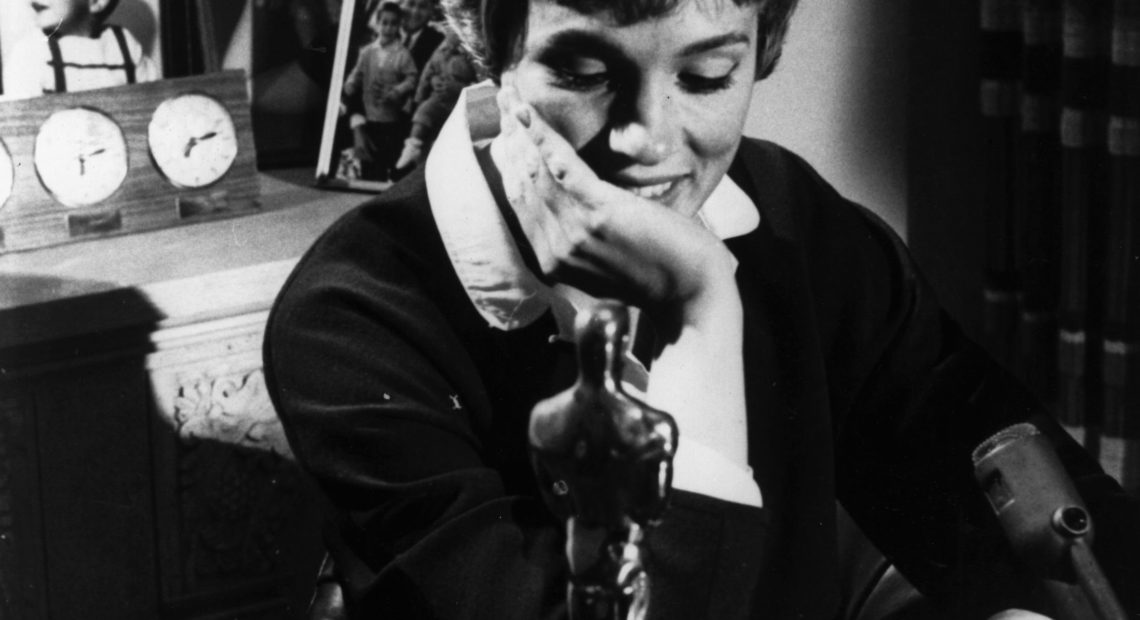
point(1120, 445)
point(1084, 195)
point(1037, 195)
point(999, 73)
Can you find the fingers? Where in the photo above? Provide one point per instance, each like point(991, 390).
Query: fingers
point(559, 158)
point(518, 163)
point(573, 219)
point(528, 187)
point(558, 179)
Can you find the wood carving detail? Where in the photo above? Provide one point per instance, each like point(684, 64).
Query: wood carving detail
point(230, 408)
point(237, 486)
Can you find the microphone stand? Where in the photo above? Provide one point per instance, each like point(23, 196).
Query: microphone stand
point(604, 462)
point(1045, 520)
point(1073, 524)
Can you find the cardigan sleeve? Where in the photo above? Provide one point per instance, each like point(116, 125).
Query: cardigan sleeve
point(352, 83)
point(382, 407)
point(911, 398)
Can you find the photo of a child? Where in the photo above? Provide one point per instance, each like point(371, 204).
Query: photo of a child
point(384, 78)
point(73, 47)
point(397, 74)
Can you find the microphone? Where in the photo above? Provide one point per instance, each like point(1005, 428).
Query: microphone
point(1045, 520)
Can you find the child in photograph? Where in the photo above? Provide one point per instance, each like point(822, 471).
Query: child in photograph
point(384, 78)
point(75, 49)
point(447, 72)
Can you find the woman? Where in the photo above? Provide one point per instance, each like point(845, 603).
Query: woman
point(804, 359)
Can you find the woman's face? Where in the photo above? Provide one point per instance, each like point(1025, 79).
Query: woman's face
point(657, 106)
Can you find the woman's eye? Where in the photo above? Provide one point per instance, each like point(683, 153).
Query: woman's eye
point(716, 76)
point(701, 84)
point(580, 81)
point(581, 74)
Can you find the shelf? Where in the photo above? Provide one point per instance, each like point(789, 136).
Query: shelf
point(168, 277)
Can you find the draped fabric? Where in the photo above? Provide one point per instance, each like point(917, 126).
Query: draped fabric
point(1060, 122)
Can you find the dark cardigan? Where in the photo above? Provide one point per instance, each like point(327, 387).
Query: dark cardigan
point(410, 411)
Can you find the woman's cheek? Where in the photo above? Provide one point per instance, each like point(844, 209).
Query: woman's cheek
point(713, 127)
point(577, 117)
point(710, 132)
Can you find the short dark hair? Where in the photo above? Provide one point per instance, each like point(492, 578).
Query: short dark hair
point(388, 6)
point(492, 30)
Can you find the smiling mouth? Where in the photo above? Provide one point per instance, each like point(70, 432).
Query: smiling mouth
point(652, 192)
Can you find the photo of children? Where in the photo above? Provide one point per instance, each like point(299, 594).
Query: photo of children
point(378, 125)
point(384, 78)
point(72, 45)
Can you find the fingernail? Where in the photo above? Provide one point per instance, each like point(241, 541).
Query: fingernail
point(522, 113)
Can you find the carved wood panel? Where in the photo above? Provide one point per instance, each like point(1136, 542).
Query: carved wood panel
point(237, 520)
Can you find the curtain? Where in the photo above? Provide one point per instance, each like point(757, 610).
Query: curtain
point(1060, 109)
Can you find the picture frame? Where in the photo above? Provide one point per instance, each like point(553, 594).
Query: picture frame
point(377, 130)
point(290, 56)
point(337, 166)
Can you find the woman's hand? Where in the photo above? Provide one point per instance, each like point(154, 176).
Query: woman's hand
point(600, 238)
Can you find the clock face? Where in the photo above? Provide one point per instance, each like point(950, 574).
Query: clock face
point(7, 174)
point(192, 140)
point(80, 156)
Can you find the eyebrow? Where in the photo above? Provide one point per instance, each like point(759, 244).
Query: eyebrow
point(576, 40)
point(723, 40)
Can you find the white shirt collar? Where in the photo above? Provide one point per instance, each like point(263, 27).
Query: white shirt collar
point(485, 255)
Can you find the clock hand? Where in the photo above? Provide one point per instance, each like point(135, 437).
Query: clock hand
point(194, 140)
point(83, 159)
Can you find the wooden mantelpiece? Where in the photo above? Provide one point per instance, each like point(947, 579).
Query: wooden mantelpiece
point(183, 274)
point(143, 472)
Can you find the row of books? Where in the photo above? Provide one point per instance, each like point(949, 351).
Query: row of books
point(1060, 108)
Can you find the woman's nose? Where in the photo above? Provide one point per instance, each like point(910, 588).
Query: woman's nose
point(647, 132)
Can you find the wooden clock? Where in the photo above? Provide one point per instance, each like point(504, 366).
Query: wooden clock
point(83, 165)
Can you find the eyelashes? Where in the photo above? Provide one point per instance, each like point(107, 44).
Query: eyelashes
point(702, 85)
point(579, 81)
point(586, 81)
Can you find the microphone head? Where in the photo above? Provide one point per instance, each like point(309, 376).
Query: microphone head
point(1031, 494)
point(1003, 438)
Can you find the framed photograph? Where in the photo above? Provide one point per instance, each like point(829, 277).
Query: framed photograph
point(398, 72)
point(358, 151)
point(337, 163)
point(136, 28)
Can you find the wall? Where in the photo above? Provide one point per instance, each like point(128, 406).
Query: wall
point(881, 97)
point(838, 99)
point(944, 153)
